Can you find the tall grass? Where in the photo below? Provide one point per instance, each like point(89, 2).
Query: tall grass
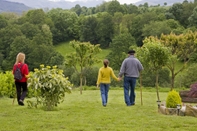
point(86, 113)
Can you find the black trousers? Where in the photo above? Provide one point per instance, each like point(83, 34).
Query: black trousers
point(21, 90)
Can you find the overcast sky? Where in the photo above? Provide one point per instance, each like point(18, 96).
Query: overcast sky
point(121, 1)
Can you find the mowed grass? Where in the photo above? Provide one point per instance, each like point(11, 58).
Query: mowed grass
point(86, 113)
point(65, 49)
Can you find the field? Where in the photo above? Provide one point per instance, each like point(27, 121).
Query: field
point(85, 113)
point(65, 48)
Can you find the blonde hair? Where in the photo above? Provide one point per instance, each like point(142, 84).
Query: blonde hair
point(20, 58)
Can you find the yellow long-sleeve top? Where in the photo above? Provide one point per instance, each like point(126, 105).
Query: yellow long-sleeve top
point(105, 74)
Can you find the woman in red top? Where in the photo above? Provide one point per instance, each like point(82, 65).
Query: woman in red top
point(21, 85)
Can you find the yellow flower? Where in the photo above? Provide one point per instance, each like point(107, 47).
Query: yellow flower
point(42, 65)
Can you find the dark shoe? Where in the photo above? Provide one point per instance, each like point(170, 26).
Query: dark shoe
point(104, 105)
point(21, 103)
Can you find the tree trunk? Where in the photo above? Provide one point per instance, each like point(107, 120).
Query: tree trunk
point(81, 80)
point(172, 80)
point(157, 87)
point(141, 88)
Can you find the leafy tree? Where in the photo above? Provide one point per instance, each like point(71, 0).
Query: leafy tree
point(182, 47)
point(155, 55)
point(83, 57)
point(43, 54)
point(189, 76)
point(117, 19)
point(192, 19)
point(77, 9)
point(119, 48)
point(138, 23)
point(102, 7)
point(37, 17)
point(30, 30)
point(8, 35)
point(88, 30)
point(65, 24)
point(131, 9)
point(126, 24)
point(156, 28)
point(3, 22)
point(105, 29)
point(113, 7)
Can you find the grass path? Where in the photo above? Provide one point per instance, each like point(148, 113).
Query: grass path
point(85, 113)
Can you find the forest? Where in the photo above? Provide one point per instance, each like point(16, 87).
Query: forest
point(111, 25)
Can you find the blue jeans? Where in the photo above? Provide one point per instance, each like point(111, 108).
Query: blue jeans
point(129, 90)
point(104, 88)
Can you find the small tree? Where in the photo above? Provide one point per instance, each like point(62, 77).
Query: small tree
point(49, 85)
point(182, 47)
point(155, 56)
point(84, 56)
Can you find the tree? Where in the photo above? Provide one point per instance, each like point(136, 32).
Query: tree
point(105, 29)
point(65, 24)
point(3, 22)
point(117, 19)
point(138, 23)
point(156, 56)
point(88, 29)
point(117, 54)
point(182, 47)
point(192, 19)
point(83, 57)
point(113, 7)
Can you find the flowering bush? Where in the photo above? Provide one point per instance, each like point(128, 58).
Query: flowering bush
point(49, 85)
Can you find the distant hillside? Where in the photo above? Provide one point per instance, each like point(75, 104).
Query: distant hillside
point(160, 2)
point(19, 6)
point(59, 4)
point(6, 6)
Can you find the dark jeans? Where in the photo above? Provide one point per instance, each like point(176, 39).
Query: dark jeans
point(21, 90)
point(129, 90)
point(104, 88)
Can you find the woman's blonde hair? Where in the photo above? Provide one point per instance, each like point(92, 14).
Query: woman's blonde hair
point(20, 58)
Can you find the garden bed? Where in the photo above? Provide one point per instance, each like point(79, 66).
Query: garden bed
point(185, 110)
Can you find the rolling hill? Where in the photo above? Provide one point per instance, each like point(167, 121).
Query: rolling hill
point(7, 6)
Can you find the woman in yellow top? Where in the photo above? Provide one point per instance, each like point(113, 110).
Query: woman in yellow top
point(104, 79)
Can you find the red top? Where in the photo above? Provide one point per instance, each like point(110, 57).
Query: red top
point(24, 71)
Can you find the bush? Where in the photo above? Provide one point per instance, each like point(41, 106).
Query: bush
point(49, 85)
point(7, 85)
point(173, 99)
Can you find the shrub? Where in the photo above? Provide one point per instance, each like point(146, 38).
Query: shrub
point(173, 99)
point(7, 86)
point(49, 85)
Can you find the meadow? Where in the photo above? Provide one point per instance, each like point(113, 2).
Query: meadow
point(86, 113)
point(65, 48)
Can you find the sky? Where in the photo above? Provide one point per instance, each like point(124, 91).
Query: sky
point(121, 1)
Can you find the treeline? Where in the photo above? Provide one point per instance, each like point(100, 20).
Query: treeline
point(110, 24)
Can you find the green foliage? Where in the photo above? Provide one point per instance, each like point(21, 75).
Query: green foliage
point(83, 57)
point(189, 76)
point(49, 85)
point(116, 57)
point(7, 86)
point(173, 99)
point(148, 78)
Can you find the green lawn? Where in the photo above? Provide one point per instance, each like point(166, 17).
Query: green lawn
point(85, 113)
